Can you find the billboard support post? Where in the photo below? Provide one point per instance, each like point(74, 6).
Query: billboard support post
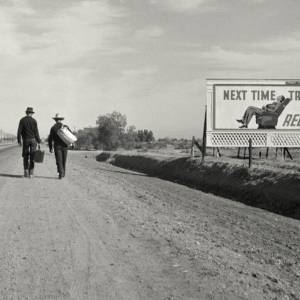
point(287, 152)
point(195, 143)
point(217, 150)
point(204, 134)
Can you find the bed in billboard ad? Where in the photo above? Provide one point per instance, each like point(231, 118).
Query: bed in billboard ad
point(256, 107)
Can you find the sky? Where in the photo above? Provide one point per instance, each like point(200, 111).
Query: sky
point(147, 59)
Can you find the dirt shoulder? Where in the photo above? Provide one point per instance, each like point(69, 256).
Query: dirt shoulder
point(108, 233)
point(214, 234)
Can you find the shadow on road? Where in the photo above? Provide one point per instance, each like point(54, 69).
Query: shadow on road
point(123, 172)
point(45, 177)
point(11, 175)
point(21, 176)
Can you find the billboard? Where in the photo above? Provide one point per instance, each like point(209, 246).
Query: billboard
point(267, 111)
point(256, 107)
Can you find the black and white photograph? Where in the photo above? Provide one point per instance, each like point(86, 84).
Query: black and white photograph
point(150, 150)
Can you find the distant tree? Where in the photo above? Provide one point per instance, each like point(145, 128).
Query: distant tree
point(149, 136)
point(140, 135)
point(145, 136)
point(87, 137)
point(131, 133)
point(111, 133)
point(111, 129)
point(130, 138)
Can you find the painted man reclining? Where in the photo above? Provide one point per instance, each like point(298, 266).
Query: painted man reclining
point(267, 116)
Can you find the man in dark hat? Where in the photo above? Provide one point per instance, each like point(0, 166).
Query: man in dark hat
point(28, 135)
point(60, 148)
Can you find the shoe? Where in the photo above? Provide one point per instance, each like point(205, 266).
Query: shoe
point(243, 126)
point(240, 121)
point(31, 173)
point(60, 176)
point(26, 173)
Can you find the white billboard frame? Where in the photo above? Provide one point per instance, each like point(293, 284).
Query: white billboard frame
point(273, 138)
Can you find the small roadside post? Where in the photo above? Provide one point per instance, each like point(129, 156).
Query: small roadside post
point(267, 153)
point(250, 153)
point(192, 148)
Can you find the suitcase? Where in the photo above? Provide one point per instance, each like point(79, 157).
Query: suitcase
point(39, 156)
point(66, 135)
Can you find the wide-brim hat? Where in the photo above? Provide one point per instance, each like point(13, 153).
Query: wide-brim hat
point(29, 110)
point(58, 117)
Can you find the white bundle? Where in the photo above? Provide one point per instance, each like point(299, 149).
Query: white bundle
point(66, 135)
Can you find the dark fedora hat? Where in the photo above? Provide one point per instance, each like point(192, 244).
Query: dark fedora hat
point(29, 110)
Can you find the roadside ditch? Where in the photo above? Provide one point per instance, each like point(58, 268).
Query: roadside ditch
point(269, 189)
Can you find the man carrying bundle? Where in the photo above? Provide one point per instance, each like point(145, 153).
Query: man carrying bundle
point(61, 136)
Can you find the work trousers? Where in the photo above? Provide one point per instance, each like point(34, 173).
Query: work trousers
point(61, 159)
point(29, 148)
point(250, 112)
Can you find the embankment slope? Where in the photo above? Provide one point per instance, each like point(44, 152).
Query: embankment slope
point(274, 189)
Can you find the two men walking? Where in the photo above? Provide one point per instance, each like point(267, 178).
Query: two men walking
point(29, 138)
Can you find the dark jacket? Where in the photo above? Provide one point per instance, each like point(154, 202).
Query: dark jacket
point(54, 138)
point(273, 107)
point(28, 129)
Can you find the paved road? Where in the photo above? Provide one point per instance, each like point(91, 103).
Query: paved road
point(108, 233)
